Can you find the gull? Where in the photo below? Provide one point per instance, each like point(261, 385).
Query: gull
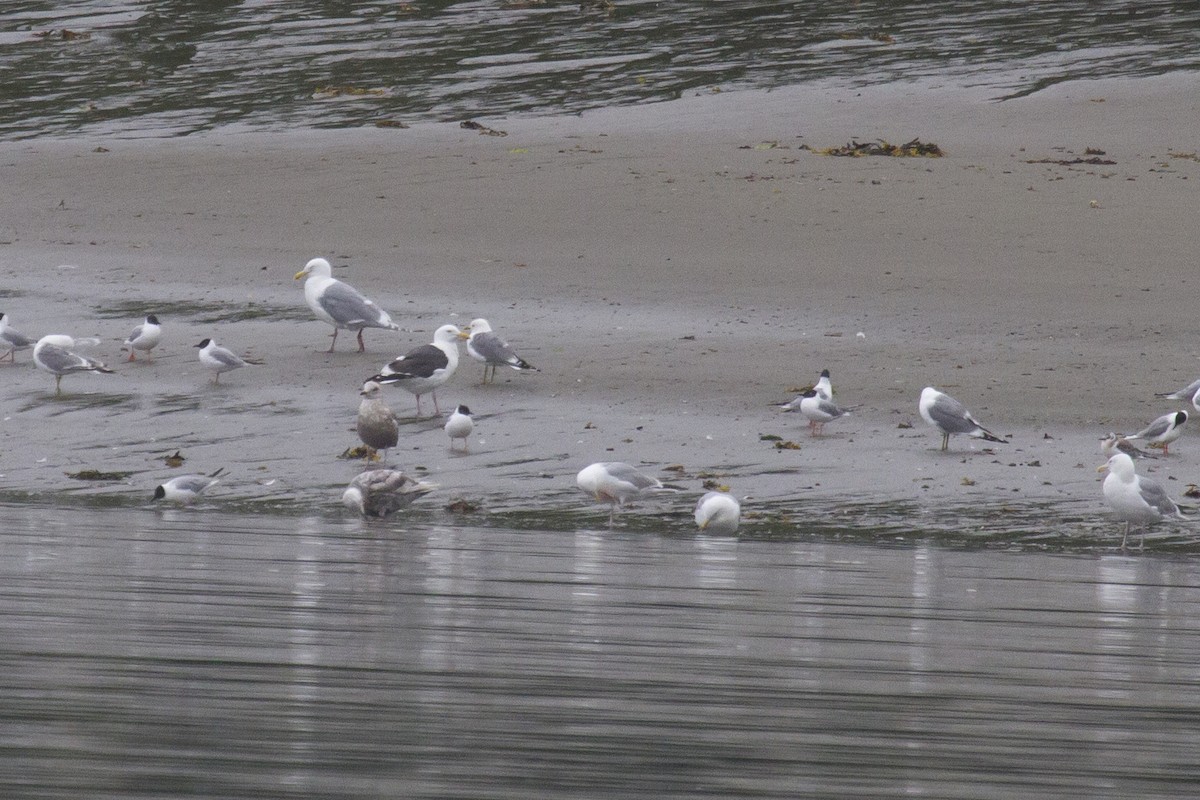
point(1162, 431)
point(615, 482)
point(1115, 443)
point(423, 369)
point(145, 337)
point(380, 492)
point(1187, 393)
point(53, 353)
point(378, 426)
point(218, 359)
point(185, 489)
point(823, 387)
point(13, 340)
point(817, 409)
point(459, 426)
point(1136, 499)
point(340, 304)
point(486, 346)
point(718, 512)
point(950, 416)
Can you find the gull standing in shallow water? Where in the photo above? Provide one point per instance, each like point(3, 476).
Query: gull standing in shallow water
point(53, 353)
point(615, 482)
point(1136, 499)
point(484, 345)
point(718, 512)
point(378, 427)
point(340, 304)
point(13, 340)
point(380, 492)
point(423, 369)
point(1163, 430)
point(145, 337)
point(218, 359)
point(950, 416)
point(185, 489)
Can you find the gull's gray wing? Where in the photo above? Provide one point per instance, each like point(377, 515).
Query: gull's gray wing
point(350, 308)
point(136, 333)
point(829, 408)
point(1155, 495)
point(952, 416)
point(60, 361)
point(621, 471)
point(226, 357)
point(16, 340)
point(1185, 394)
point(492, 349)
point(1156, 428)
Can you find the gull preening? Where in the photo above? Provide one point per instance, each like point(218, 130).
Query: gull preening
point(145, 337)
point(340, 304)
point(615, 483)
point(55, 355)
point(423, 369)
point(185, 489)
point(459, 426)
point(380, 492)
point(486, 346)
point(378, 426)
point(218, 359)
point(1162, 431)
point(718, 512)
point(951, 417)
point(13, 340)
point(1137, 500)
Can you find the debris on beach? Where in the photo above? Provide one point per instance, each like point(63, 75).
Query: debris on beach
point(64, 34)
point(97, 475)
point(361, 451)
point(484, 130)
point(176, 459)
point(913, 149)
point(1091, 155)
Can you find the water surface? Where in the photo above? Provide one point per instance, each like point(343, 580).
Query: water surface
point(205, 654)
point(169, 68)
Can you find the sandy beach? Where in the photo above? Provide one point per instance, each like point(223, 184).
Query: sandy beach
point(674, 271)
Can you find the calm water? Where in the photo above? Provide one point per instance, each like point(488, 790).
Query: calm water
point(201, 654)
point(172, 68)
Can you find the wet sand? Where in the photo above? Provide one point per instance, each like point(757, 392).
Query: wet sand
point(673, 270)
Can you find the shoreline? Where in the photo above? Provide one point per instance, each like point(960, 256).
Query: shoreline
point(672, 270)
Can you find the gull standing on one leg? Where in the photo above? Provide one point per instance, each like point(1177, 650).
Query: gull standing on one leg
point(340, 304)
point(53, 354)
point(615, 482)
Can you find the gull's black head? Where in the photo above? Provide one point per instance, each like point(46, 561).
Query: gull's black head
point(153, 320)
point(159, 493)
point(1181, 417)
point(464, 410)
point(824, 373)
point(204, 343)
